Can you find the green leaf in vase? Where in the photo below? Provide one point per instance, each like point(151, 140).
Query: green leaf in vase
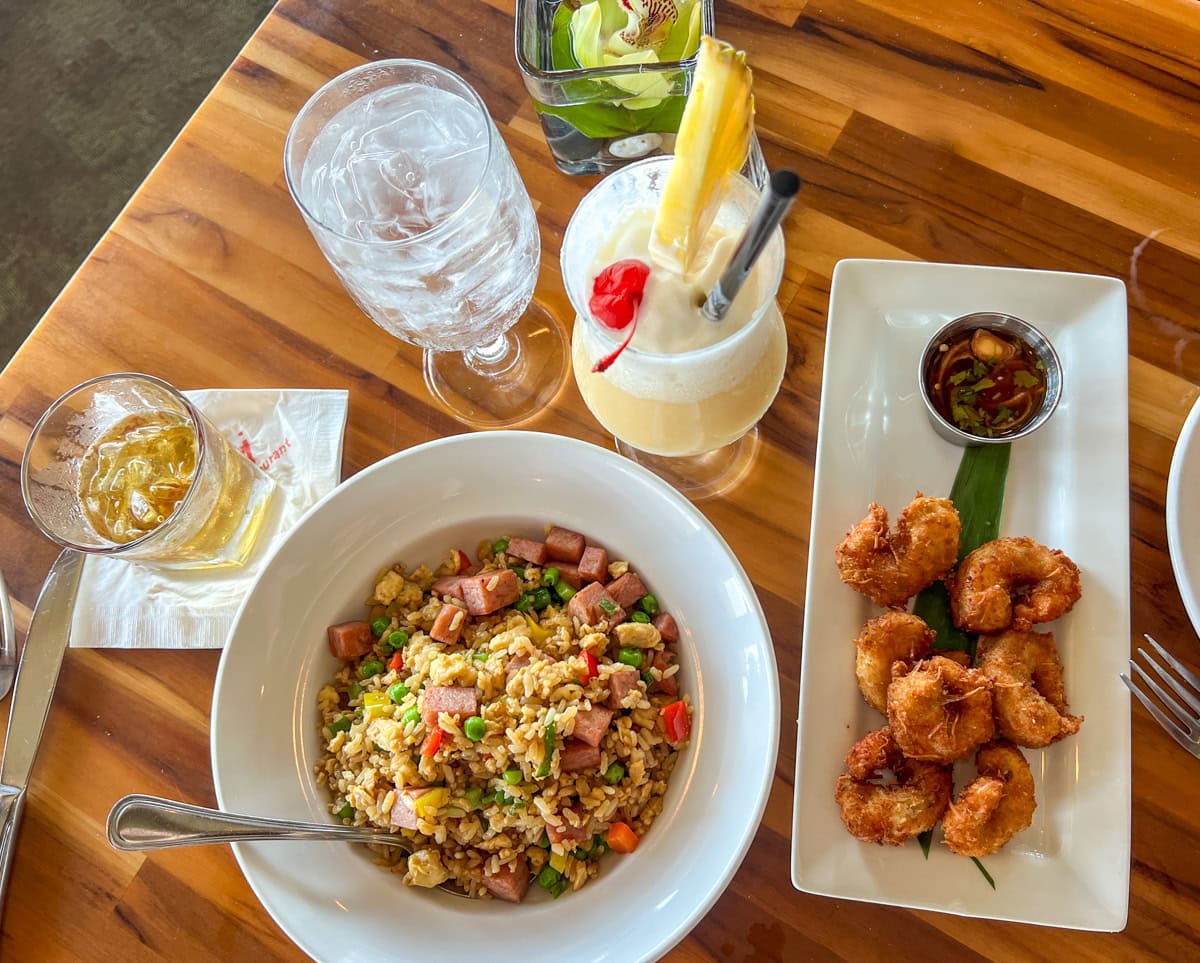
point(638, 102)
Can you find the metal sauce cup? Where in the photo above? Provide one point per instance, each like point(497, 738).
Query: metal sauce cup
point(1005, 324)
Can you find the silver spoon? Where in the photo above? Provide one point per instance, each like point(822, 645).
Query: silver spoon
point(8, 641)
point(138, 823)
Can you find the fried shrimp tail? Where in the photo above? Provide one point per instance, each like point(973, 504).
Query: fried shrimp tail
point(996, 806)
point(1031, 703)
point(938, 710)
point(890, 814)
point(892, 637)
point(1012, 582)
point(890, 567)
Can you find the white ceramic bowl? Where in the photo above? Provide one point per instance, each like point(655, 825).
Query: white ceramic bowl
point(413, 506)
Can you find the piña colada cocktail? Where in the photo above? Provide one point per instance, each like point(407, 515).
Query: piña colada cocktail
point(640, 255)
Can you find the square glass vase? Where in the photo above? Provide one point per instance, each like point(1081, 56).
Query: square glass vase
point(594, 119)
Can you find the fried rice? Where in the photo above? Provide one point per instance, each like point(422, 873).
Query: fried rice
point(532, 679)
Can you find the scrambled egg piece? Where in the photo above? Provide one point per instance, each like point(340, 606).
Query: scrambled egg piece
point(425, 869)
point(638, 635)
point(388, 587)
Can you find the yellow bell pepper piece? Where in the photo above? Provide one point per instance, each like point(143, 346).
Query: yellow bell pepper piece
point(536, 632)
point(558, 861)
point(374, 704)
point(429, 803)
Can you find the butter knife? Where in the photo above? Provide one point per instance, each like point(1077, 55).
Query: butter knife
point(8, 641)
point(37, 674)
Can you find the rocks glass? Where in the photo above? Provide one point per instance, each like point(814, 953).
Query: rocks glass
point(125, 466)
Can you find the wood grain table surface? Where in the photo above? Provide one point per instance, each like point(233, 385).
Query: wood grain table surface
point(1060, 135)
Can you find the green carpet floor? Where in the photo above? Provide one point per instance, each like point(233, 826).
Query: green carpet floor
point(91, 94)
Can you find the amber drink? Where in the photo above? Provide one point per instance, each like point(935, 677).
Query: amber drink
point(125, 465)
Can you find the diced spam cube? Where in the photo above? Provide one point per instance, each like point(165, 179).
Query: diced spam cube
point(626, 590)
point(490, 591)
point(593, 565)
point(448, 624)
point(565, 545)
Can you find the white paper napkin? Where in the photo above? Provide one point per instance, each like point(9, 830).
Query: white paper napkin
point(295, 435)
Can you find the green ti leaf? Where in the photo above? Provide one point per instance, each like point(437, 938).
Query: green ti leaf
point(978, 494)
point(982, 869)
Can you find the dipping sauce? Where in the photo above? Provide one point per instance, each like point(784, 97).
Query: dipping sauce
point(987, 383)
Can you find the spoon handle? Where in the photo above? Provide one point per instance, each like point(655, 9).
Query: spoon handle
point(147, 822)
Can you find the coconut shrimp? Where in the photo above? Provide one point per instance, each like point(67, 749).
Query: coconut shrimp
point(939, 710)
point(1012, 582)
point(996, 806)
point(1030, 702)
point(892, 637)
point(894, 813)
point(890, 567)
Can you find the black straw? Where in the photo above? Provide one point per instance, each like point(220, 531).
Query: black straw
point(781, 191)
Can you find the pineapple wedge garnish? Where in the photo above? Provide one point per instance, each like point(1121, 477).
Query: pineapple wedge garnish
point(714, 138)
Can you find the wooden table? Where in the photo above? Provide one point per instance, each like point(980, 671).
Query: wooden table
point(1011, 132)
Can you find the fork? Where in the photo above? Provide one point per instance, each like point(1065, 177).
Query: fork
point(1184, 728)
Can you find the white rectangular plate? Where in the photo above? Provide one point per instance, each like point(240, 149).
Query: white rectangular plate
point(1068, 487)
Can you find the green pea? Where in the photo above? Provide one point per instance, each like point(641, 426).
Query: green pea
point(475, 728)
point(564, 591)
point(380, 625)
point(474, 796)
point(412, 715)
point(397, 692)
point(524, 603)
point(549, 877)
point(581, 854)
point(369, 668)
point(540, 599)
point(354, 690)
point(614, 773)
point(550, 576)
point(640, 617)
point(544, 842)
point(648, 604)
point(519, 571)
point(397, 639)
point(499, 545)
point(346, 812)
point(341, 724)
point(512, 776)
point(630, 656)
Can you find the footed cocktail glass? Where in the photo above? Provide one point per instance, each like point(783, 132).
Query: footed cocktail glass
point(690, 416)
point(411, 194)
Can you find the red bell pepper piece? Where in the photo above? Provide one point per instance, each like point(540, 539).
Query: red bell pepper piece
point(676, 722)
point(432, 743)
point(396, 663)
point(462, 561)
point(593, 668)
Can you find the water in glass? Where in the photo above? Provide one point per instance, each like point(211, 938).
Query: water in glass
point(427, 221)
